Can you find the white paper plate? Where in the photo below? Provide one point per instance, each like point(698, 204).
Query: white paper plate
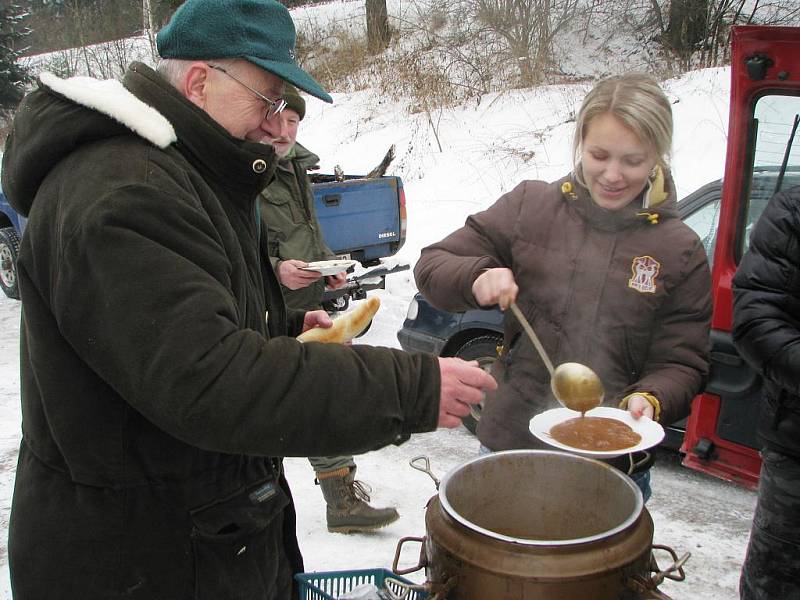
point(330, 267)
point(652, 433)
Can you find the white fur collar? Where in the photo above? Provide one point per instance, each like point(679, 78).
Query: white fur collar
point(111, 98)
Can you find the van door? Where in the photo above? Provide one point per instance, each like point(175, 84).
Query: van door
point(763, 155)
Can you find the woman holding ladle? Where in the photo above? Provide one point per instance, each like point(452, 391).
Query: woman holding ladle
point(601, 266)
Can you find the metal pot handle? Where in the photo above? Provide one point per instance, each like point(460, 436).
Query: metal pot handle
point(674, 571)
point(421, 563)
point(437, 591)
point(425, 467)
point(646, 587)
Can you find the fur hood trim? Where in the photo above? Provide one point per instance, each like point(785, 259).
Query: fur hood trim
point(110, 98)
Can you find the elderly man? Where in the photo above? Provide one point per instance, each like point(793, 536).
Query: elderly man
point(160, 381)
point(295, 239)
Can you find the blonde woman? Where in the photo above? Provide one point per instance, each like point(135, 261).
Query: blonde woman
point(601, 265)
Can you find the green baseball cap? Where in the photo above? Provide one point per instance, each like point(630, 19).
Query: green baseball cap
point(260, 31)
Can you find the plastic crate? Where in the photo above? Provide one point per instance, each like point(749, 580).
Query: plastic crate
point(329, 585)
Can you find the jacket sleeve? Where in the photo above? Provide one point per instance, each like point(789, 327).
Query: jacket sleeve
point(766, 316)
point(446, 270)
point(143, 297)
point(294, 321)
point(678, 358)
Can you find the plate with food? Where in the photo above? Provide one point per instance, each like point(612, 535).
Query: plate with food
point(329, 267)
point(603, 432)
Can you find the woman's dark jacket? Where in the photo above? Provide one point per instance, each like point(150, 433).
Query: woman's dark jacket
point(157, 376)
point(625, 292)
point(766, 318)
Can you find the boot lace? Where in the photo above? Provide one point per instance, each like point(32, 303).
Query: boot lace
point(361, 490)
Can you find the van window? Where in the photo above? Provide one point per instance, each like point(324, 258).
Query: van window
point(704, 222)
point(777, 150)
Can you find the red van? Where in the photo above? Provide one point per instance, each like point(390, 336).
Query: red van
point(763, 155)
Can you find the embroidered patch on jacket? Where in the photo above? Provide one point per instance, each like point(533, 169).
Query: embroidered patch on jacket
point(645, 270)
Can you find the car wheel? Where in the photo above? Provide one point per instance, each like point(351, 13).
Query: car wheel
point(9, 248)
point(483, 349)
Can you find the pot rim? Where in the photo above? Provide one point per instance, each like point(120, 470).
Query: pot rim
point(448, 508)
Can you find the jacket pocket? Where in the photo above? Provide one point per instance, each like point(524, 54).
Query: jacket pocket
point(287, 203)
point(238, 544)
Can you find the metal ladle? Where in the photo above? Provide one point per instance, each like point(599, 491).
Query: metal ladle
point(574, 385)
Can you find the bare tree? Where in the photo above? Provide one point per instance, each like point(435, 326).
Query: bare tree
point(147, 26)
point(697, 32)
point(687, 27)
point(378, 32)
point(528, 29)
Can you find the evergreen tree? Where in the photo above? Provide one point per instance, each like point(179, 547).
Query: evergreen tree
point(13, 76)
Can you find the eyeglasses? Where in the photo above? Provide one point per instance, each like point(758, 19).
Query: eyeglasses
point(273, 107)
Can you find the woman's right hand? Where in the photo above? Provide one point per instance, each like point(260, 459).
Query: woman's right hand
point(495, 286)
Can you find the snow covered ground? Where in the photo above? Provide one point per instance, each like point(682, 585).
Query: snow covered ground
point(486, 150)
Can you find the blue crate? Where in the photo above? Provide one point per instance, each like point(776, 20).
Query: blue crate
point(328, 585)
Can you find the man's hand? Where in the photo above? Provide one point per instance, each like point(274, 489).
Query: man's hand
point(639, 407)
point(334, 282)
point(291, 276)
point(495, 286)
point(463, 383)
point(316, 318)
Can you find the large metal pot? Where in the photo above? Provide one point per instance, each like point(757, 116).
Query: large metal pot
point(531, 524)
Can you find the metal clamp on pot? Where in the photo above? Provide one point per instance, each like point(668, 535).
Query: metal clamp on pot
point(436, 591)
point(530, 525)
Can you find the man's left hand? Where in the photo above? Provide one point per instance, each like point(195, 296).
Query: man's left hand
point(334, 282)
point(316, 318)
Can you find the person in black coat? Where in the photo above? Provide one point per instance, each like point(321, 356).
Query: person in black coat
point(766, 331)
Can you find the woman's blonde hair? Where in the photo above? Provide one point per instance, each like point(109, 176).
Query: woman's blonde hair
point(636, 100)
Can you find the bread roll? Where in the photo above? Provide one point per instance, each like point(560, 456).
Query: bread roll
point(345, 327)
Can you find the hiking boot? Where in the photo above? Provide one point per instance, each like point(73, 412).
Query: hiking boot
point(348, 507)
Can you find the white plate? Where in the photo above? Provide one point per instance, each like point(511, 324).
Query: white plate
point(652, 433)
point(330, 267)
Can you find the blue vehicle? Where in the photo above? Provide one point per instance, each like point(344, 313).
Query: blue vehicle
point(363, 219)
point(11, 227)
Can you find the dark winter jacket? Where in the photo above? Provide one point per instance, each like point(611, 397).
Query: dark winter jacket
point(625, 292)
point(154, 391)
point(287, 211)
point(766, 318)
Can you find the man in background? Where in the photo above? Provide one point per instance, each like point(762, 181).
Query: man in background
point(295, 239)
